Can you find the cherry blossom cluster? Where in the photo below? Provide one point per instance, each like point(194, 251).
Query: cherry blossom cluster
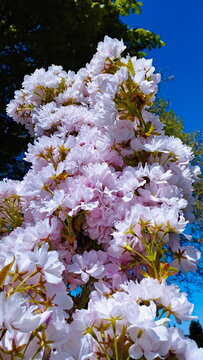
point(102, 211)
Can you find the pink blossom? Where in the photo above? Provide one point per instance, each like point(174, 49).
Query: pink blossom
point(90, 264)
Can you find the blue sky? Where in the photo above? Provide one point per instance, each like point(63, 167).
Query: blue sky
point(179, 23)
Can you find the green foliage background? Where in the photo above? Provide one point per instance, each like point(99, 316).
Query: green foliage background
point(196, 333)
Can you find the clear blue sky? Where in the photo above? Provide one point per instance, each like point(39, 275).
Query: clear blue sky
point(180, 25)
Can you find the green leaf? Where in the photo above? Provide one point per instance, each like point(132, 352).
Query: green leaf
point(5, 272)
point(131, 67)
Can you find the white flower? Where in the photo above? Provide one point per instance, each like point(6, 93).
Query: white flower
point(54, 203)
point(185, 258)
point(17, 314)
point(105, 111)
point(111, 47)
point(168, 296)
point(48, 263)
point(89, 264)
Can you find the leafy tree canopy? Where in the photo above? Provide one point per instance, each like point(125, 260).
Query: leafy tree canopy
point(196, 333)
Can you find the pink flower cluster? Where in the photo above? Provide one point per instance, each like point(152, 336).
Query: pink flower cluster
point(102, 207)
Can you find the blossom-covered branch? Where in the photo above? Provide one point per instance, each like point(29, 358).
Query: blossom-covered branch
point(102, 209)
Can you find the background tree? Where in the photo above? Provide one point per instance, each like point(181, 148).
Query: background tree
point(196, 333)
point(61, 32)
